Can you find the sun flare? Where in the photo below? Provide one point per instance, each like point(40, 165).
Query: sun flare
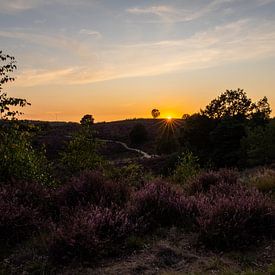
point(169, 118)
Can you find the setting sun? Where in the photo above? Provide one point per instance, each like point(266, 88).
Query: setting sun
point(169, 118)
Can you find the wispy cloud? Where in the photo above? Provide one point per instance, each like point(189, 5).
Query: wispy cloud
point(51, 41)
point(170, 14)
point(16, 6)
point(177, 14)
point(234, 42)
point(93, 33)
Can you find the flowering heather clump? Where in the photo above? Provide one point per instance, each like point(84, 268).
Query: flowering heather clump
point(91, 187)
point(161, 204)
point(203, 182)
point(26, 193)
point(235, 219)
point(19, 211)
point(88, 234)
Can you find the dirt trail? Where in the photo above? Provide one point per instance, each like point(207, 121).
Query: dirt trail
point(144, 154)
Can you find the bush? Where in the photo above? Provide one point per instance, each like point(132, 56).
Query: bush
point(186, 168)
point(19, 160)
point(89, 234)
point(235, 218)
point(21, 206)
point(82, 151)
point(91, 187)
point(161, 204)
point(263, 180)
point(16, 222)
point(138, 134)
point(132, 175)
point(29, 194)
point(205, 180)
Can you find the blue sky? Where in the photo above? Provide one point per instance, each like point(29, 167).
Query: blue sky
point(119, 59)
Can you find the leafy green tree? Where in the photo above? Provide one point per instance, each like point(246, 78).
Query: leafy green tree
point(7, 67)
point(138, 134)
point(82, 151)
point(186, 168)
point(19, 160)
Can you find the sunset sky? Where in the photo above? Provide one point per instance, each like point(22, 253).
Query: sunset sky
point(119, 59)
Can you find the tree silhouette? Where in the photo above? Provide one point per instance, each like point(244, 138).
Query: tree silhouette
point(234, 103)
point(185, 116)
point(87, 120)
point(7, 66)
point(155, 113)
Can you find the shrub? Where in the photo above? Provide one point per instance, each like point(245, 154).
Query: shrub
point(82, 151)
point(186, 168)
point(16, 222)
point(19, 160)
point(263, 180)
point(236, 218)
point(29, 194)
point(132, 175)
point(161, 204)
point(21, 206)
point(89, 234)
point(91, 187)
point(203, 181)
point(138, 134)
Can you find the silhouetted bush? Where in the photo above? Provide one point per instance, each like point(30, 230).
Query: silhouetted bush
point(259, 145)
point(89, 234)
point(138, 134)
point(91, 187)
point(235, 217)
point(161, 204)
point(203, 181)
point(226, 142)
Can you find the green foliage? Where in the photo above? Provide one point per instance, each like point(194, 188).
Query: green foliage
point(138, 134)
point(135, 242)
point(271, 269)
point(263, 180)
point(19, 160)
point(82, 151)
point(259, 144)
point(7, 66)
point(187, 167)
point(132, 174)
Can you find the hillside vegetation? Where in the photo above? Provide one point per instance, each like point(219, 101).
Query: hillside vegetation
point(202, 203)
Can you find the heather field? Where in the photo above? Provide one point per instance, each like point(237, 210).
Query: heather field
point(194, 195)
